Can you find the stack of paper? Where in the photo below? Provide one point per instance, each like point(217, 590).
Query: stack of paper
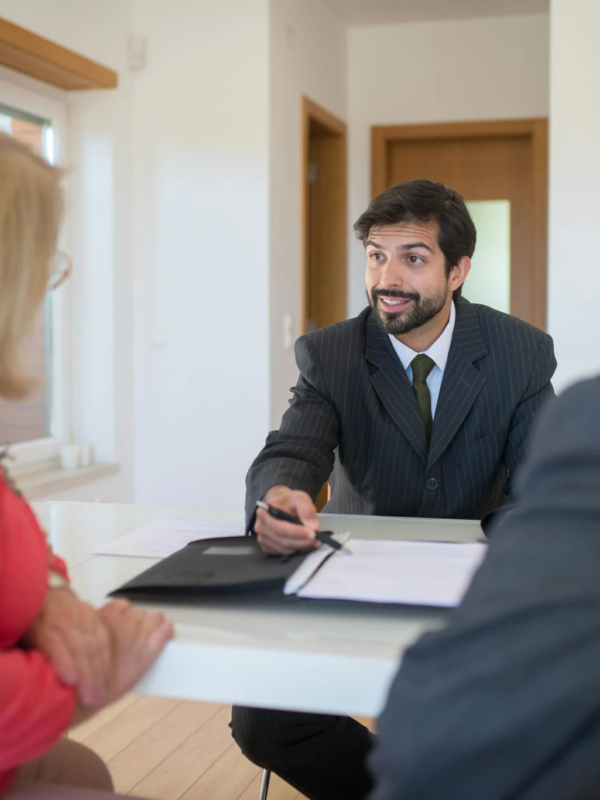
point(165, 537)
point(416, 573)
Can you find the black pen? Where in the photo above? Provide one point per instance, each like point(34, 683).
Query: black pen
point(325, 537)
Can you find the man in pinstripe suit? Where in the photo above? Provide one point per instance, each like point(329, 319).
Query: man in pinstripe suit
point(420, 406)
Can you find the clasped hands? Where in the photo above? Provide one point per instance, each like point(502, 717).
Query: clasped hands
point(102, 652)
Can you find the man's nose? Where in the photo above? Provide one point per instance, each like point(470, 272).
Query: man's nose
point(391, 276)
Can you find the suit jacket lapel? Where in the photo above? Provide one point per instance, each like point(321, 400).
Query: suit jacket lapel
point(391, 383)
point(462, 381)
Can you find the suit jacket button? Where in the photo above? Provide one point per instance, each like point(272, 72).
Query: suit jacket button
point(432, 483)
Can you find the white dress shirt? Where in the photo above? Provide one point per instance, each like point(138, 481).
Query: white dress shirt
point(438, 352)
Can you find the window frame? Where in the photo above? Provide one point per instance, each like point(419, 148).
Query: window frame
point(31, 97)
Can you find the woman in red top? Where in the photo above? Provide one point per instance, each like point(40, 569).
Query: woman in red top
point(60, 659)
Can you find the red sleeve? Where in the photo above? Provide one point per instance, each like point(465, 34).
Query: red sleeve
point(24, 562)
point(56, 564)
point(35, 709)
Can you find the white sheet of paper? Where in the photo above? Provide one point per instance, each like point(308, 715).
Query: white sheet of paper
point(416, 573)
point(164, 537)
point(311, 564)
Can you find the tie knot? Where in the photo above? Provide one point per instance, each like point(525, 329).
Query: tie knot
point(421, 367)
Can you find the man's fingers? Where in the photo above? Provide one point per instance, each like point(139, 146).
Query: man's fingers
point(272, 546)
point(277, 537)
point(273, 542)
point(286, 531)
point(299, 504)
point(278, 544)
point(288, 543)
point(304, 508)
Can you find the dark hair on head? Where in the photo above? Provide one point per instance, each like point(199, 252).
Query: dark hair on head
point(424, 201)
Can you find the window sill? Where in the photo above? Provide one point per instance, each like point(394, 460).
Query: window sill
point(50, 481)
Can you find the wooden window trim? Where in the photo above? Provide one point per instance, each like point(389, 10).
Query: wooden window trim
point(33, 55)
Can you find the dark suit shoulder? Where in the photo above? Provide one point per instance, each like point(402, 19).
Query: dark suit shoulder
point(569, 425)
point(333, 357)
point(348, 334)
point(580, 398)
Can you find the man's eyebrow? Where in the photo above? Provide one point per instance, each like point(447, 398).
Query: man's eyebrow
point(408, 246)
point(415, 245)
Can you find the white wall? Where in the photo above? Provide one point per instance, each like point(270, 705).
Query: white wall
point(201, 249)
point(169, 177)
point(574, 269)
point(308, 57)
point(438, 72)
point(186, 229)
point(99, 180)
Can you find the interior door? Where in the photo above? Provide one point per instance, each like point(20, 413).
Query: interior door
point(498, 175)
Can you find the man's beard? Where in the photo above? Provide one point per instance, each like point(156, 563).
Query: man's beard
point(421, 311)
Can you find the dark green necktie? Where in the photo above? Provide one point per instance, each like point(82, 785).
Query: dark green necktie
point(421, 367)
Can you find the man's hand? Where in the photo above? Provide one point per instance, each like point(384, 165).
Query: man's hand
point(286, 537)
point(74, 638)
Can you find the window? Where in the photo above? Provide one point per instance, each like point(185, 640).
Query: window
point(30, 419)
point(34, 428)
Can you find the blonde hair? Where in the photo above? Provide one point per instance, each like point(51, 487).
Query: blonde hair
point(30, 212)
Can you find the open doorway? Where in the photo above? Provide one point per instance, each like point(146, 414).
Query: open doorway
point(501, 169)
point(324, 220)
point(324, 235)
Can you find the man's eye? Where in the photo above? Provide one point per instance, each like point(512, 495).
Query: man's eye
point(376, 256)
point(415, 260)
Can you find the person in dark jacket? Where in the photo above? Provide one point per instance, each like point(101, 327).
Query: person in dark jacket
point(504, 704)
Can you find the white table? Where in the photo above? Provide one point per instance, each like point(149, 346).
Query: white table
point(328, 658)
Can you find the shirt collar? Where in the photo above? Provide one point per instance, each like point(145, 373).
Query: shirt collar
point(438, 351)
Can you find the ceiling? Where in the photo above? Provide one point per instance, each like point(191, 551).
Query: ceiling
point(378, 12)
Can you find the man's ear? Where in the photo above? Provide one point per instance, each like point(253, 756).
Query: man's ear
point(459, 272)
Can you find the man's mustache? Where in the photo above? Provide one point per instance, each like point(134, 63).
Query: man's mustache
point(397, 293)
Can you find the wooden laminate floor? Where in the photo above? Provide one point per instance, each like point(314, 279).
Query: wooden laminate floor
point(164, 749)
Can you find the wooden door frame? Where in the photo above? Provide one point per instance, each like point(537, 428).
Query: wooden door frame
point(536, 128)
point(312, 113)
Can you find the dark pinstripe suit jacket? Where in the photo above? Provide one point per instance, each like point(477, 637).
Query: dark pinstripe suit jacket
point(354, 419)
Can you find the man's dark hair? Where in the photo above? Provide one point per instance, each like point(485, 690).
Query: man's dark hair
point(424, 201)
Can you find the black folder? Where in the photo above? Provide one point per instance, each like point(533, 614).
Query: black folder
point(210, 567)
